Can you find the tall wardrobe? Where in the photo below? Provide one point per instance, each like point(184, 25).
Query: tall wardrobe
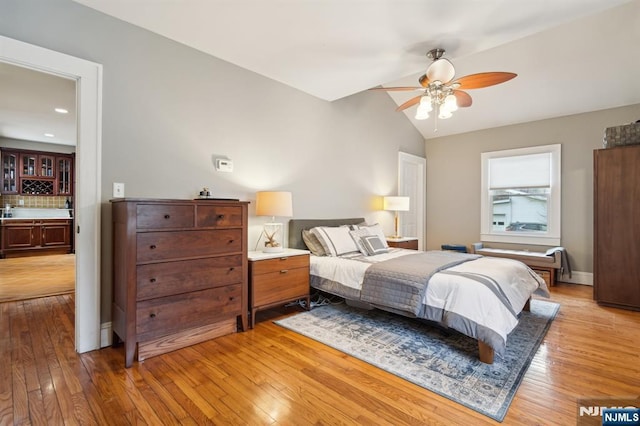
point(617, 226)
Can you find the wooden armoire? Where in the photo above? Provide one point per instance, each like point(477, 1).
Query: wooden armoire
point(616, 253)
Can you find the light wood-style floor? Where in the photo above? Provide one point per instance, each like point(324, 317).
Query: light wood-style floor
point(270, 375)
point(36, 276)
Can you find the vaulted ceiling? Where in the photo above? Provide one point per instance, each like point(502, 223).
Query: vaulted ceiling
point(571, 56)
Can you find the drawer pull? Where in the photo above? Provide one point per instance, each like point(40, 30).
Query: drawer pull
point(220, 216)
point(232, 269)
point(152, 315)
point(231, 241)
point(167, 216)
point(152, 246)
point(153, 280)
point(284, 271)
point(283, 258)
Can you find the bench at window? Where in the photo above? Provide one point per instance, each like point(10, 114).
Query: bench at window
point(543, 264)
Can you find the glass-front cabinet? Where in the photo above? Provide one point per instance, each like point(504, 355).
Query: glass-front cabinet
point(9, 173)
point(40, 165)
point(36, 173)
point(65, 175)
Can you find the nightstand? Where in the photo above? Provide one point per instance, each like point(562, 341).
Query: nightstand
point(403, 242)
point(277, 278)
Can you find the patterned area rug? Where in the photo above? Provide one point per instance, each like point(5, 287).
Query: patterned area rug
point(443, 361)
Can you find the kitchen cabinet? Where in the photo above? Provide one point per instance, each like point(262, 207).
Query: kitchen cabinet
point(36, 172)
point(9, 173)
point(28, 237)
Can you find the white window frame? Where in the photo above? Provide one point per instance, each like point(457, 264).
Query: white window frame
point(549, 238)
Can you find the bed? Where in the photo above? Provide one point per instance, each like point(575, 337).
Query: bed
point(478, 296)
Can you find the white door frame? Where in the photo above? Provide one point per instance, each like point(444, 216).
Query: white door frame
point(412, 182)
point(88, 77)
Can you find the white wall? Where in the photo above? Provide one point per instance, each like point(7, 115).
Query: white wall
point(168, 110)
point(453, 177)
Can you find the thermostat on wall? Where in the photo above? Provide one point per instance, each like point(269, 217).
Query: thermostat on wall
point(224, 165)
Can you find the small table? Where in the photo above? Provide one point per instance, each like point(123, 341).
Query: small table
point(410, 243)
point(277, 278)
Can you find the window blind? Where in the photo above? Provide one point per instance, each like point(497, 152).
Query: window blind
point(522, 171)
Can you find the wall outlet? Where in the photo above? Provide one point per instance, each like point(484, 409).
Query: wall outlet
point(118, 190)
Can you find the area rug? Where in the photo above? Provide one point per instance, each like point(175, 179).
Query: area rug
point(442, 361)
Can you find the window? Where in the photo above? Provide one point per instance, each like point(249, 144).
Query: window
point(521, 196)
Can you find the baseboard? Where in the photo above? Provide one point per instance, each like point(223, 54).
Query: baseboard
point(105, 335)
point(577, 277)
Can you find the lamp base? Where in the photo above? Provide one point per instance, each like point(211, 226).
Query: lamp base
point(273, 250)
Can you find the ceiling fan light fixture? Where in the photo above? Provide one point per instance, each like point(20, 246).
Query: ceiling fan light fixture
point(426, 103)
point(441, 70)
point(421, 114)
point(444, 114)
point(451, 103)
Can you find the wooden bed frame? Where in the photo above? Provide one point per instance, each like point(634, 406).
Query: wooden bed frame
point(296, 226)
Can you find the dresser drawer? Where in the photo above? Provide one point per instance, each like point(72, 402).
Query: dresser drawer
point(158, 246)
point(282, 285)
point(167, 315)
point(279, 264)
point(165, 279)
point(160, 216)
point(219, 216)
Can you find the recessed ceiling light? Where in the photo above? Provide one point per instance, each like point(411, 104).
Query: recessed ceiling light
point(61, 110)
point(49, 135)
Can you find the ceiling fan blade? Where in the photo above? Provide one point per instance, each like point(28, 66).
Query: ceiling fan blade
point(397, 89)
point(409, 103)
point(424, 80)
point(484, 79)
point(463, 99)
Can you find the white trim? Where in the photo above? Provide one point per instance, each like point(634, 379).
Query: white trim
point(106, 335)
point(552, 236)
point(88, 76)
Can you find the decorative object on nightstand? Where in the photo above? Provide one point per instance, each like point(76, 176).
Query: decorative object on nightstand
point(273, 203)
point(396, 204)
point(277, 278)
point(410, 243)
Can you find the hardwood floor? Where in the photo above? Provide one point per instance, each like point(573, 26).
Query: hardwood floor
point(270, 375)
point(36, 276)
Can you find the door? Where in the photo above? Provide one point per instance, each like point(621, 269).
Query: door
point(412, 183)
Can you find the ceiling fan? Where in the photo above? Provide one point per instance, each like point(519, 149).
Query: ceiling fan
point(441, 92)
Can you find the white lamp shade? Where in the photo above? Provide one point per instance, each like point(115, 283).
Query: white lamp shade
point(396, 203)
point(274, 203)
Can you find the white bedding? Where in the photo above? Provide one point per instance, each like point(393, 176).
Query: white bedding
point(462, 297)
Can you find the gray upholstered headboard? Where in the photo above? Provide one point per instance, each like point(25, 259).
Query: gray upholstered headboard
point(296, 226)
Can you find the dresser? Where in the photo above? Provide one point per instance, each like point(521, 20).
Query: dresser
point(179, 273)
point(277, 278)
point(616, 251)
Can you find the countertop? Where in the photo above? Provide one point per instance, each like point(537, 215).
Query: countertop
point(26, 213)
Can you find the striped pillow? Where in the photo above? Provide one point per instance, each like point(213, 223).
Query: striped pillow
point(335, 240)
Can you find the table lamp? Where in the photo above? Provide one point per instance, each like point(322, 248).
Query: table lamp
point(396, 204)
point(274, 204)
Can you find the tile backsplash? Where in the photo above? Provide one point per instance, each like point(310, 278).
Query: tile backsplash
point(34, 201)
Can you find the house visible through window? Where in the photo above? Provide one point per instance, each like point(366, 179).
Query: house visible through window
point(521, 195)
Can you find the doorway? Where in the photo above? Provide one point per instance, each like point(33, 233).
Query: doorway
point(412, 183)
point(88, 76)
point(39, 130)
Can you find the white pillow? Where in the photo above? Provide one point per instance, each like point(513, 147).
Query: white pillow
point(357, 235)
point(376, 229)
point(335, 239)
